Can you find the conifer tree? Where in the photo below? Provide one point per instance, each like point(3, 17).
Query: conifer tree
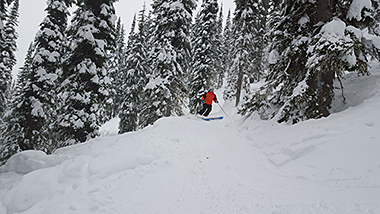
point(226, 48)
point(247, 48)
point(85, 90)
point(218, 45)
point(33, 106)
point(17, 124)
point(135, 76)
point(115, 65)
point(131, 33)
point(311, 47)
point(166, 92)
point(290, 34)
point(205, 60)
point(46, 67)
point(8, 37)
point(11, 35)
point(375, 28)
point(376, 25)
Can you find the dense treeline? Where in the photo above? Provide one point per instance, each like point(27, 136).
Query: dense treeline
point(77, 76)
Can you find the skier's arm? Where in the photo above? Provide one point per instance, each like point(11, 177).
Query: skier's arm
point(203, 98)
point(215, 99)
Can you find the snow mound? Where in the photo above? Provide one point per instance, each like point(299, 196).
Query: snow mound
point(334, 28)
point(28, 161)
point(357, 90)
point(110, 128)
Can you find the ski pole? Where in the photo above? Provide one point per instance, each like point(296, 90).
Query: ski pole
point(222, 109)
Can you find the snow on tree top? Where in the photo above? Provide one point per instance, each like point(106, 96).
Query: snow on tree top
point(335, 28)
point(356, 8)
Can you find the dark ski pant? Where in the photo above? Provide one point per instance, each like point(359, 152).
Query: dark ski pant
point(206, 110)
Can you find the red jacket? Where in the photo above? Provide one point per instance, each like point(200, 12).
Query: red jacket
point(209, 97)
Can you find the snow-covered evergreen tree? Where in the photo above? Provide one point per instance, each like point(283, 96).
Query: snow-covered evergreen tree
point(45, 69)
point(312, 44)
point(115, 65)
point(166, 92)
point(218, 45)
point(226, 48)
point(85, 90)
point(247, 48)
point(17, 131)
point(376, 25)
point(206, 57)
point(375, 28)
point(11, 35)
point(135, 75)
point(291, 30)
point(3, 11)
point(8, 47)
point(33, 107)
point(333, 51)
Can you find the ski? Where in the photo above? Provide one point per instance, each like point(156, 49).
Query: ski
point(205, 118)
point(211, 118)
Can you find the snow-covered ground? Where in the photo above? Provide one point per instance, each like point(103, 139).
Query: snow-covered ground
point(189, 166)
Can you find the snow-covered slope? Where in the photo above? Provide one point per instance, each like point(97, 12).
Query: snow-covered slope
point(186, 165)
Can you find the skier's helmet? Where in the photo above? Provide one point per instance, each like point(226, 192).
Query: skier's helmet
point(211, 90)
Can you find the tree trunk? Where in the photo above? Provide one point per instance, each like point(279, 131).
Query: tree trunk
point(239, 84)
point(325, 11)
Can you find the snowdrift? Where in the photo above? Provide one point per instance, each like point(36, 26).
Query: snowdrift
point(187, 165)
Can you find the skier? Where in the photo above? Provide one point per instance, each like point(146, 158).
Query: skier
point(207, 99)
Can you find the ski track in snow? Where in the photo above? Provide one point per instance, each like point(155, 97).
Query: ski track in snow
point(186, 165)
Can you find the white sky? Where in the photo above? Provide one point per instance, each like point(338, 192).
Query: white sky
point(32, 13)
